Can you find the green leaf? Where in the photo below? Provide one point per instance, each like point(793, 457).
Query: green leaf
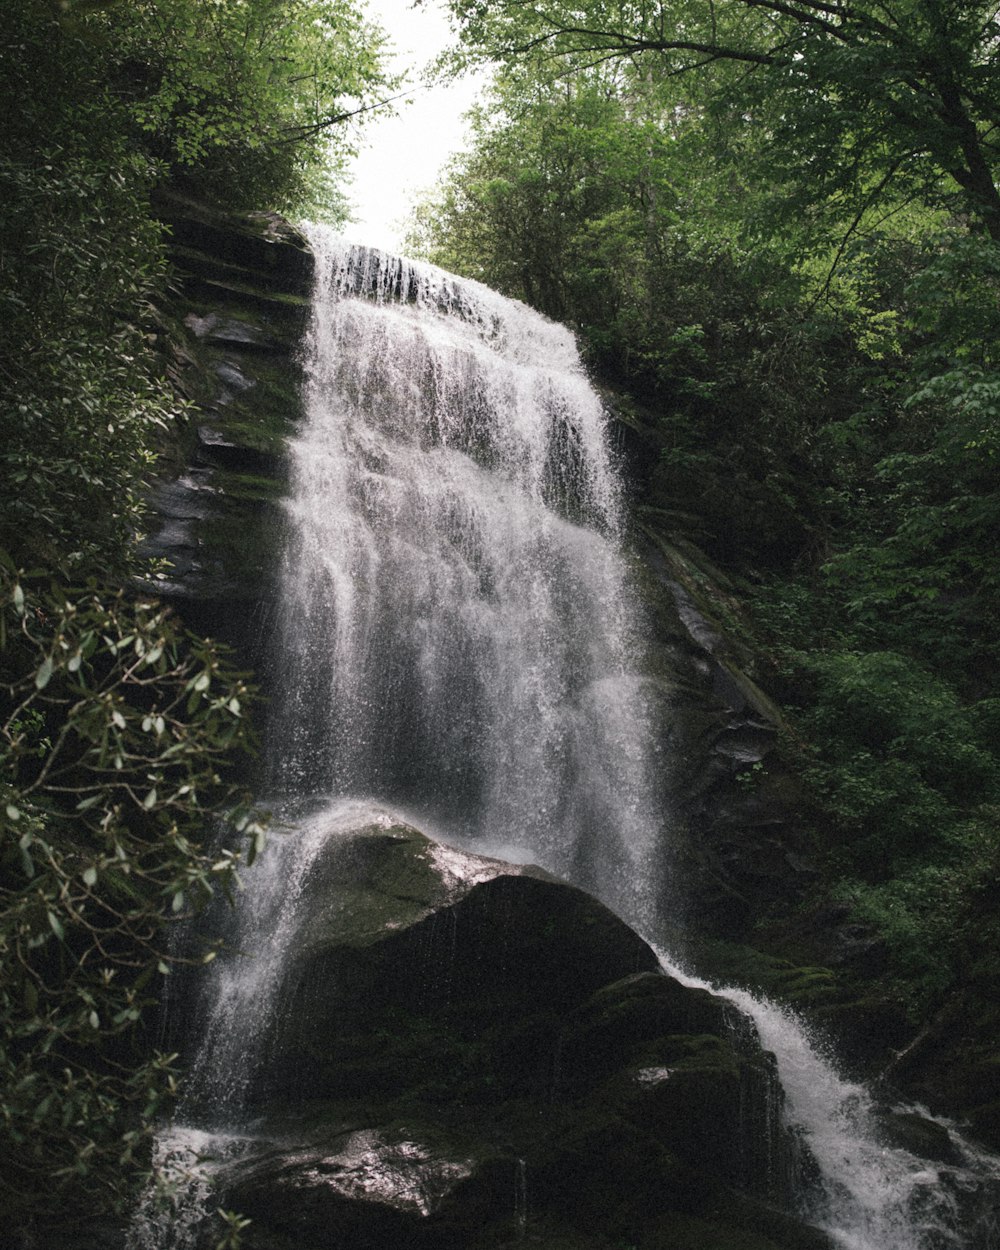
point(13, 813)
point(90, 875)
point(43, 674)
point(55, 924)
point(150, 800)
point(18, 599)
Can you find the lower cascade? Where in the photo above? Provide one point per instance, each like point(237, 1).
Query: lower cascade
point(444, 1017)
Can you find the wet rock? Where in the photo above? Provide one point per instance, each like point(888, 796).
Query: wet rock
point(922, 1136)
point(373, 1188)
point(466, 1052)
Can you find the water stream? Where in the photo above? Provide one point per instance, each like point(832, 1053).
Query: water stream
point(460, 644)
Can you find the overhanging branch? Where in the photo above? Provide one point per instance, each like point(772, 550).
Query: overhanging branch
point(295, 134)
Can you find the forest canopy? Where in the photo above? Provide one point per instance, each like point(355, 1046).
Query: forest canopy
point(857, 97)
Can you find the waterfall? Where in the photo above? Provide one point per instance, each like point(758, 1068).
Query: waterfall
point(460, 647)
point(870, 1193)
point(458, 631)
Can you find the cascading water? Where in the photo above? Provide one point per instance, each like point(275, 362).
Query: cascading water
point(458, 634)
point(869, 1193)
point(459, 644)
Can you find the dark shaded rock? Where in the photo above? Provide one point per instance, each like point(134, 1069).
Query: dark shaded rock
point(245, 242)
point(466, 1053)
point(474, 975)
point(233, 331)
point(746, 850)
point(923, 1137)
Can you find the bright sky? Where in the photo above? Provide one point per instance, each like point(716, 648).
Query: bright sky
point(403, 155)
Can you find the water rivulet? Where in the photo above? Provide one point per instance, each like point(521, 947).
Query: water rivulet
point(461, 653)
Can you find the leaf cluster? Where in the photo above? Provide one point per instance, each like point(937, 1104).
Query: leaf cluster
point(115, 733)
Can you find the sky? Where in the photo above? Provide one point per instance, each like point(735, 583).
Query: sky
point(403, 154)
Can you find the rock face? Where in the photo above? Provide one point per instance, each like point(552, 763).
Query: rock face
point(465, 1054)
point(231, 337)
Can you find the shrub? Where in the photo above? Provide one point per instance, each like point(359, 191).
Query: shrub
point(114, 729)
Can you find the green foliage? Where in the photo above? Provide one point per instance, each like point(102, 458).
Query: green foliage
point(247, 97)
point(235, 1224)
point(860, 104)
point(242, 99)
point(937, 919)
point(81, 412)
point(114, 734)
point(920, 571)
point(903, 762)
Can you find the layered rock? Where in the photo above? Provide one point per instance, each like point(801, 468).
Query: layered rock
point(231, 336)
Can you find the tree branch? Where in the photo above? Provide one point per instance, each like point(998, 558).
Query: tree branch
point(295, 134)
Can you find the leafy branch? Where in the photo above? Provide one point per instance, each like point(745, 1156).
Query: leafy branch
point(114, 731)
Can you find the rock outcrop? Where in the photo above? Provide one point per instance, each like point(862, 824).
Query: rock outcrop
point(466, 1054)
point(231, 335)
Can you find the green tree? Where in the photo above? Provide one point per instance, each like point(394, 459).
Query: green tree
point(247, 99)
point(860, 99)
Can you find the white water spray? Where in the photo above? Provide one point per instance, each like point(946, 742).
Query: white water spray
point(871, 1194)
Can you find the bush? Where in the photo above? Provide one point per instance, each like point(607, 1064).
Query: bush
point(898, 758)
point(114, 729)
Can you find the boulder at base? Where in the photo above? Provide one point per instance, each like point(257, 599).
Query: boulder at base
point(468, 1054)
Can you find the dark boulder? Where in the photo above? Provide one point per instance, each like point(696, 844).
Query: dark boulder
point(465, 1053)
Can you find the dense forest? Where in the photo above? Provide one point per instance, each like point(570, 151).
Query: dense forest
point(775, 226)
